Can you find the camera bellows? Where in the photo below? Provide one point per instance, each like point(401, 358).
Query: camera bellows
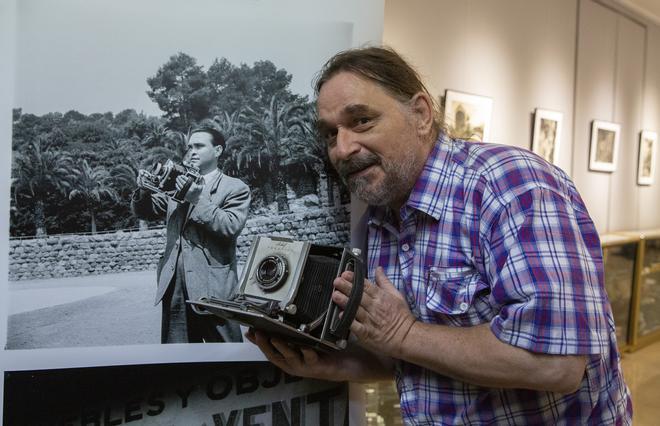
point(319, 272)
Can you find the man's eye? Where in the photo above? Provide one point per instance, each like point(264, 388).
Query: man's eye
point(363, 123)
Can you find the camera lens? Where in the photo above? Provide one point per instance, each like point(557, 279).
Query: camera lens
point(272, 272)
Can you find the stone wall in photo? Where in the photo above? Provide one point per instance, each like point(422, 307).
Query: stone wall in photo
point(123, 251)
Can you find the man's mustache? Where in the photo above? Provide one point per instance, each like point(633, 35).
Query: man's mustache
point(355, 164)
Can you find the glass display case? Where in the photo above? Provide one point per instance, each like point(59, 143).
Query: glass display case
point(619, 257)
point(382, 404)
point(648, 317)
point(645, 314)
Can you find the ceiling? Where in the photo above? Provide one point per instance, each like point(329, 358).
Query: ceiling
point(651, 8)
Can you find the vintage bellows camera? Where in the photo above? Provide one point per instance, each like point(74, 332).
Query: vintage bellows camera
point(286, 289)
point(162, 178)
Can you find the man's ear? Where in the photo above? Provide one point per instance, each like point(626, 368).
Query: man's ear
point(219, 149)
point(422, 108)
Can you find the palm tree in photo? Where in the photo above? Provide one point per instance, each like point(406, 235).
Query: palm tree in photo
point(312, 152)
point(233, 128)
point(155, 136)
point(38, 170)
point(90, 184)
point(271, 135)
point(230, 125)
point(175, 147)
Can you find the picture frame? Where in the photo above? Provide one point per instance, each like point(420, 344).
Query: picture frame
point(546, 135)
point(604, 146)
point(468, 116)
point(648, 142)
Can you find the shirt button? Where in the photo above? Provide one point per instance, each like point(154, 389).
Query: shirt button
point(463, 306)
point(405, 247)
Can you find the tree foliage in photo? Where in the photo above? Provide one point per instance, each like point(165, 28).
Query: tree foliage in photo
point(65, 163)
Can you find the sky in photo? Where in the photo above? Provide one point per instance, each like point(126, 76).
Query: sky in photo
point(95, 56)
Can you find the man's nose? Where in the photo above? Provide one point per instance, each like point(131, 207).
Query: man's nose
point(347, 144)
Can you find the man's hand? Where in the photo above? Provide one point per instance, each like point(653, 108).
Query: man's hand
point(383, 319)
point(194, 191)
point(141, 178)
point(298, 360)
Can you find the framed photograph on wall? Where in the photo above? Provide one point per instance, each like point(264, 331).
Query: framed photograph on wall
point(547, 134)
point(604, 146)
point(648, 142)
point(468, 116)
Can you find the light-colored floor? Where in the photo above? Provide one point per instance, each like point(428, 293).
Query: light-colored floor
point(641, 370)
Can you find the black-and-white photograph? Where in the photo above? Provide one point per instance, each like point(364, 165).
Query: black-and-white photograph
point(648, 142)
point(468, 116)
point(152, 143)
point(604, 146)
point(547, 134)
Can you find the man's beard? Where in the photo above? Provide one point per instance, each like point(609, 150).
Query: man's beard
point(395, 186)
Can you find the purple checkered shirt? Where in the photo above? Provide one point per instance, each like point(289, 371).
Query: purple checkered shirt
point(494, 234)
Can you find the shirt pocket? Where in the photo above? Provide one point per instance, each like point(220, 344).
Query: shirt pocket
point(450, 291)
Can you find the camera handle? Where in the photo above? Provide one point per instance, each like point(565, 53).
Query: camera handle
point(354, 264)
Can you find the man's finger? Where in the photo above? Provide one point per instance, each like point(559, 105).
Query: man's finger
point(310, 356)
point(382, 281)
point(345, 286)
point(347, 275)
point(342, 285)
point(250, 335)
point(291, 355)
point(264, 344)
point(361, 315)
point(340, 299)
point(180, 182)
point(358, 329)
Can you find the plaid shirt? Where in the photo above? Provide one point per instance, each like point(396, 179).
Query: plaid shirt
point(493, 234)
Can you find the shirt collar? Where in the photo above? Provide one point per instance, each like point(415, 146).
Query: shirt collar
point(211, 175)
point(425, 195)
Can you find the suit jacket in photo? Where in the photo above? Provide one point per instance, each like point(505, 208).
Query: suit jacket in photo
point(205, 233)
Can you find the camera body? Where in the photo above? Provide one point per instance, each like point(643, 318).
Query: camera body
point(286, 289)
point(162, 178)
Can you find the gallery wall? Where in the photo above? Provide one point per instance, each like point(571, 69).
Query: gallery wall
point(590, 60)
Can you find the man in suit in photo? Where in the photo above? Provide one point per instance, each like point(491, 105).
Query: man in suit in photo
point(200, 252)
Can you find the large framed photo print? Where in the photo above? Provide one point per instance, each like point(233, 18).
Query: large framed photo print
point(604, 146)
point(468, 116)
point(547, 134)
point(84, 259)
point(648, 142)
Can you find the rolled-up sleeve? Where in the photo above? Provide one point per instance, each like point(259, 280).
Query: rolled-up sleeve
point(544, 262)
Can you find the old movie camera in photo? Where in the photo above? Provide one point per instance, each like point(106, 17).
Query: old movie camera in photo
point(162, 178)
point(286, 289)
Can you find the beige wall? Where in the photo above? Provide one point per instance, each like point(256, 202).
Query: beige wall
point(579, 57)
point(649, 196)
